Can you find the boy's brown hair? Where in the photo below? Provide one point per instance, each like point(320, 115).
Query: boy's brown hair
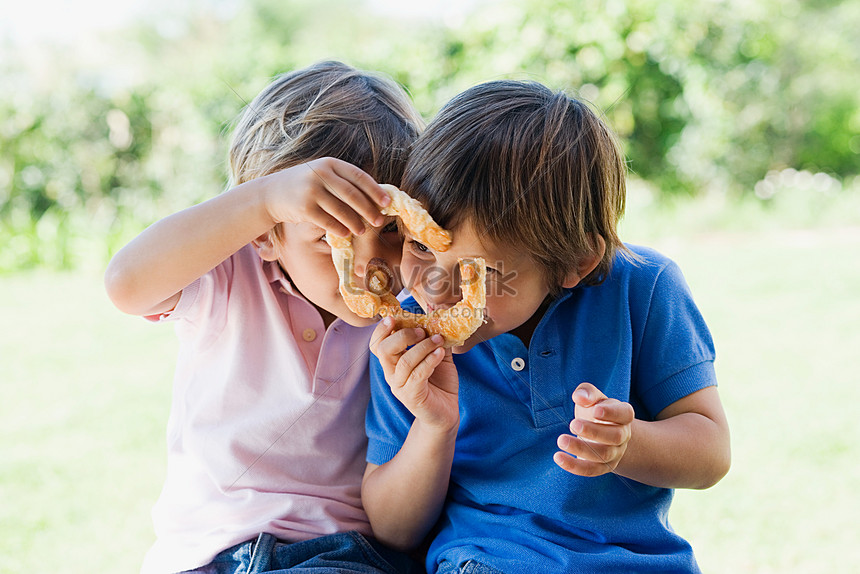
point(328, 109)
point(533, 169)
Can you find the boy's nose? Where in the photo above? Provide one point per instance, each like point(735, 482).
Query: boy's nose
point(362, 254)
point(366, 259)
point(359, 268)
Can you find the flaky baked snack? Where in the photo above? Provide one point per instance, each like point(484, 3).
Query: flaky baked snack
point(455, 324)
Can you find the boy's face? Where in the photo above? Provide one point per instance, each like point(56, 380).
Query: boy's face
point(515, 285)
point(306, 258)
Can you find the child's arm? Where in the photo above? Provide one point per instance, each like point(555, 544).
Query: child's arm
point(147, 276)
point(404, 497)
point(687, 446)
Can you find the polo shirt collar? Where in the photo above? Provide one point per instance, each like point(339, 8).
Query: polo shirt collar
point(274, 274)
point(553, 305)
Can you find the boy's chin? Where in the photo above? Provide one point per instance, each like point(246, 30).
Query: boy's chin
point(355, 321)
point(466, 346)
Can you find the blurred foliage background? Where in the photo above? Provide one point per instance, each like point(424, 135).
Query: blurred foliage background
point(741, 122)
point(742, 101)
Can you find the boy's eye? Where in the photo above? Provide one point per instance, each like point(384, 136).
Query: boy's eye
point(419, 246)
point(390, 228)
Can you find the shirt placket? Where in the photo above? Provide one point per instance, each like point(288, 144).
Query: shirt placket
point(512, 360)
point(547, 388)
point(332, 377)
point(548, 385)
point(308, 331)
point(538, 371)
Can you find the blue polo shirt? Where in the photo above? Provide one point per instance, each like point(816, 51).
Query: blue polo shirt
point(638, 337)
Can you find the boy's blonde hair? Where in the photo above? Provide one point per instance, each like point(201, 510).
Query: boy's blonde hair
point(534, 170)
point(328, 109)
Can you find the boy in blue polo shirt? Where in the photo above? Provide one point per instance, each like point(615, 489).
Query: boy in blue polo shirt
point(552, 439)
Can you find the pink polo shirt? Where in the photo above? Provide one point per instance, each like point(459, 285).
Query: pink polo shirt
point(266, 430)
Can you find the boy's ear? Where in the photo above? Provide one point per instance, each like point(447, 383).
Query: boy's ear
point(587, 265)
point(265, 245)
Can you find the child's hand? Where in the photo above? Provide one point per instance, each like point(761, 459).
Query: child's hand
point(333, 194)
point(422, 377)
point(602, 430)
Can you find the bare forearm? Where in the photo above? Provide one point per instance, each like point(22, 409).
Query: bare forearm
point(688, 450)
point(404, 497)
point(175, 251)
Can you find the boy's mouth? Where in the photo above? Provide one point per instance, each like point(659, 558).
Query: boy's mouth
point(425, 306)
point(430, 308)
point(379, 278)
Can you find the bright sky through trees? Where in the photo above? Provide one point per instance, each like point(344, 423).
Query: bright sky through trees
point(68, 20)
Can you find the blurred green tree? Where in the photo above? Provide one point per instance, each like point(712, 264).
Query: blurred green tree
point(710, 97)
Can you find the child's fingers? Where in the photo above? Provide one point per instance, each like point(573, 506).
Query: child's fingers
point(357, 195)
point(587, 451)
point(416, 381)
point(580, 467)
point(414, 360)
point(587, 394)
point(599, 432)
point(399, 341)
point(392, 344)
point(349, 207)
point(364, 182)
point(591, 403)
point(321, 218)
point(383, 329)
point(613, 411)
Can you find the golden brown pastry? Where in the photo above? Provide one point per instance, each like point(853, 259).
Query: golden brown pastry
point(455, 324)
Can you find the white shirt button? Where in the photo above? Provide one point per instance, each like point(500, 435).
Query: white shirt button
point(309, 335)
point(518, 364)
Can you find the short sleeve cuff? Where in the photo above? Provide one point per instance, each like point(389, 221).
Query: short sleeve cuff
point(679, 385)
point(379, 453)
point(186, 302)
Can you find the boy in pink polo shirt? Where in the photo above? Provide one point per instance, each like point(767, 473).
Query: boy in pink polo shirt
point(266, 440)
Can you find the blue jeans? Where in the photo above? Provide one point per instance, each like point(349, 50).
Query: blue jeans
point(347, 553)
point(470, 567)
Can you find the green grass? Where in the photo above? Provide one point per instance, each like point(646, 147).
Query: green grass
point(779, 285)
point(86, 393)
point(784, 311)
point(85, 399)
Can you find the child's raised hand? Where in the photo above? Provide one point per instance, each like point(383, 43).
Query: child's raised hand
point(602, 430)
point(332, 194)
point(421, 374)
